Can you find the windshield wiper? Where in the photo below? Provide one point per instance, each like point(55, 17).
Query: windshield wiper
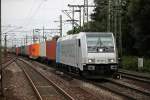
point(99, 43)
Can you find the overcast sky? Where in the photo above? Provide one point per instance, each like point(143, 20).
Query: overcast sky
point(31, 14)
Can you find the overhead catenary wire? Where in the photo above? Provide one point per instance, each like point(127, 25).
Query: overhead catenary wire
point(29, 13)
point(33, 10)
point(34, 13)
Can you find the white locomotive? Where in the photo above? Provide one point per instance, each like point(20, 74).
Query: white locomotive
point(88, 53)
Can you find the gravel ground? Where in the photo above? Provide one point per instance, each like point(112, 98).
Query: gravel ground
point(16, 85)
point(75, 91)
point(73, 85)
point(140, 85)
point(135, 73)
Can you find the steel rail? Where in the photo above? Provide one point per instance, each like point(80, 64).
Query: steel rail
point(126, 86)
point(69, 97)
point(31, 82)
point(106, 88)
point(136, 75)
point(113, 91)
point(128, 97)
point(9, 62)
point(136, 78)
point(10, 58)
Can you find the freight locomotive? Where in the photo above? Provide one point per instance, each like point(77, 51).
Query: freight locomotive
point(87, 53)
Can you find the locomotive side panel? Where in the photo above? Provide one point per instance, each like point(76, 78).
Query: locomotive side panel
point(68, 52)
point(58, 52)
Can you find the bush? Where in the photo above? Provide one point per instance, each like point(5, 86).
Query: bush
point(146, 65)
point(131, 63)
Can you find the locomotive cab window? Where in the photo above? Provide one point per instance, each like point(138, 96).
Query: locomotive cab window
point(100, 43)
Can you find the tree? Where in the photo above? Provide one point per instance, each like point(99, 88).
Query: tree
point(135, 25)
point(139, 13)
point(99, 17)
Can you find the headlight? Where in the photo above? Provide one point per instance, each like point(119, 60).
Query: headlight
point(100, 50)
point(91, 60)
point(111, 60)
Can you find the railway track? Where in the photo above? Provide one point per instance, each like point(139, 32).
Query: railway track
point(4, 65)
point(120, 88)
point(44, 88)
point(124, 90)
point(139, 78)
point(76, 91)
point(8, 59)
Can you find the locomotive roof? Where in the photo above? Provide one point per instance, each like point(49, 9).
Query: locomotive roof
point(76, 36)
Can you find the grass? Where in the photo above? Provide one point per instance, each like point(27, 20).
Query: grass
point(131, 63)
point(147, 65)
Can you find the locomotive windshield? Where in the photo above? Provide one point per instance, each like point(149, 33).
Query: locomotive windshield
point(100, 43)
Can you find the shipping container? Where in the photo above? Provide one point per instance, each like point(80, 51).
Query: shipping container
point(22, 50)
point(14, 50)
point(51, 50)
point(34, 50)
point(29, 50)
point(43, 49)
point(18, 51)
point(26, 50)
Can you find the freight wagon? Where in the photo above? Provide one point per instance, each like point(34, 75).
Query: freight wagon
point(34, 51)
point(86, 53)
point(22, 50)
point(18, 51)
point(51, 51)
